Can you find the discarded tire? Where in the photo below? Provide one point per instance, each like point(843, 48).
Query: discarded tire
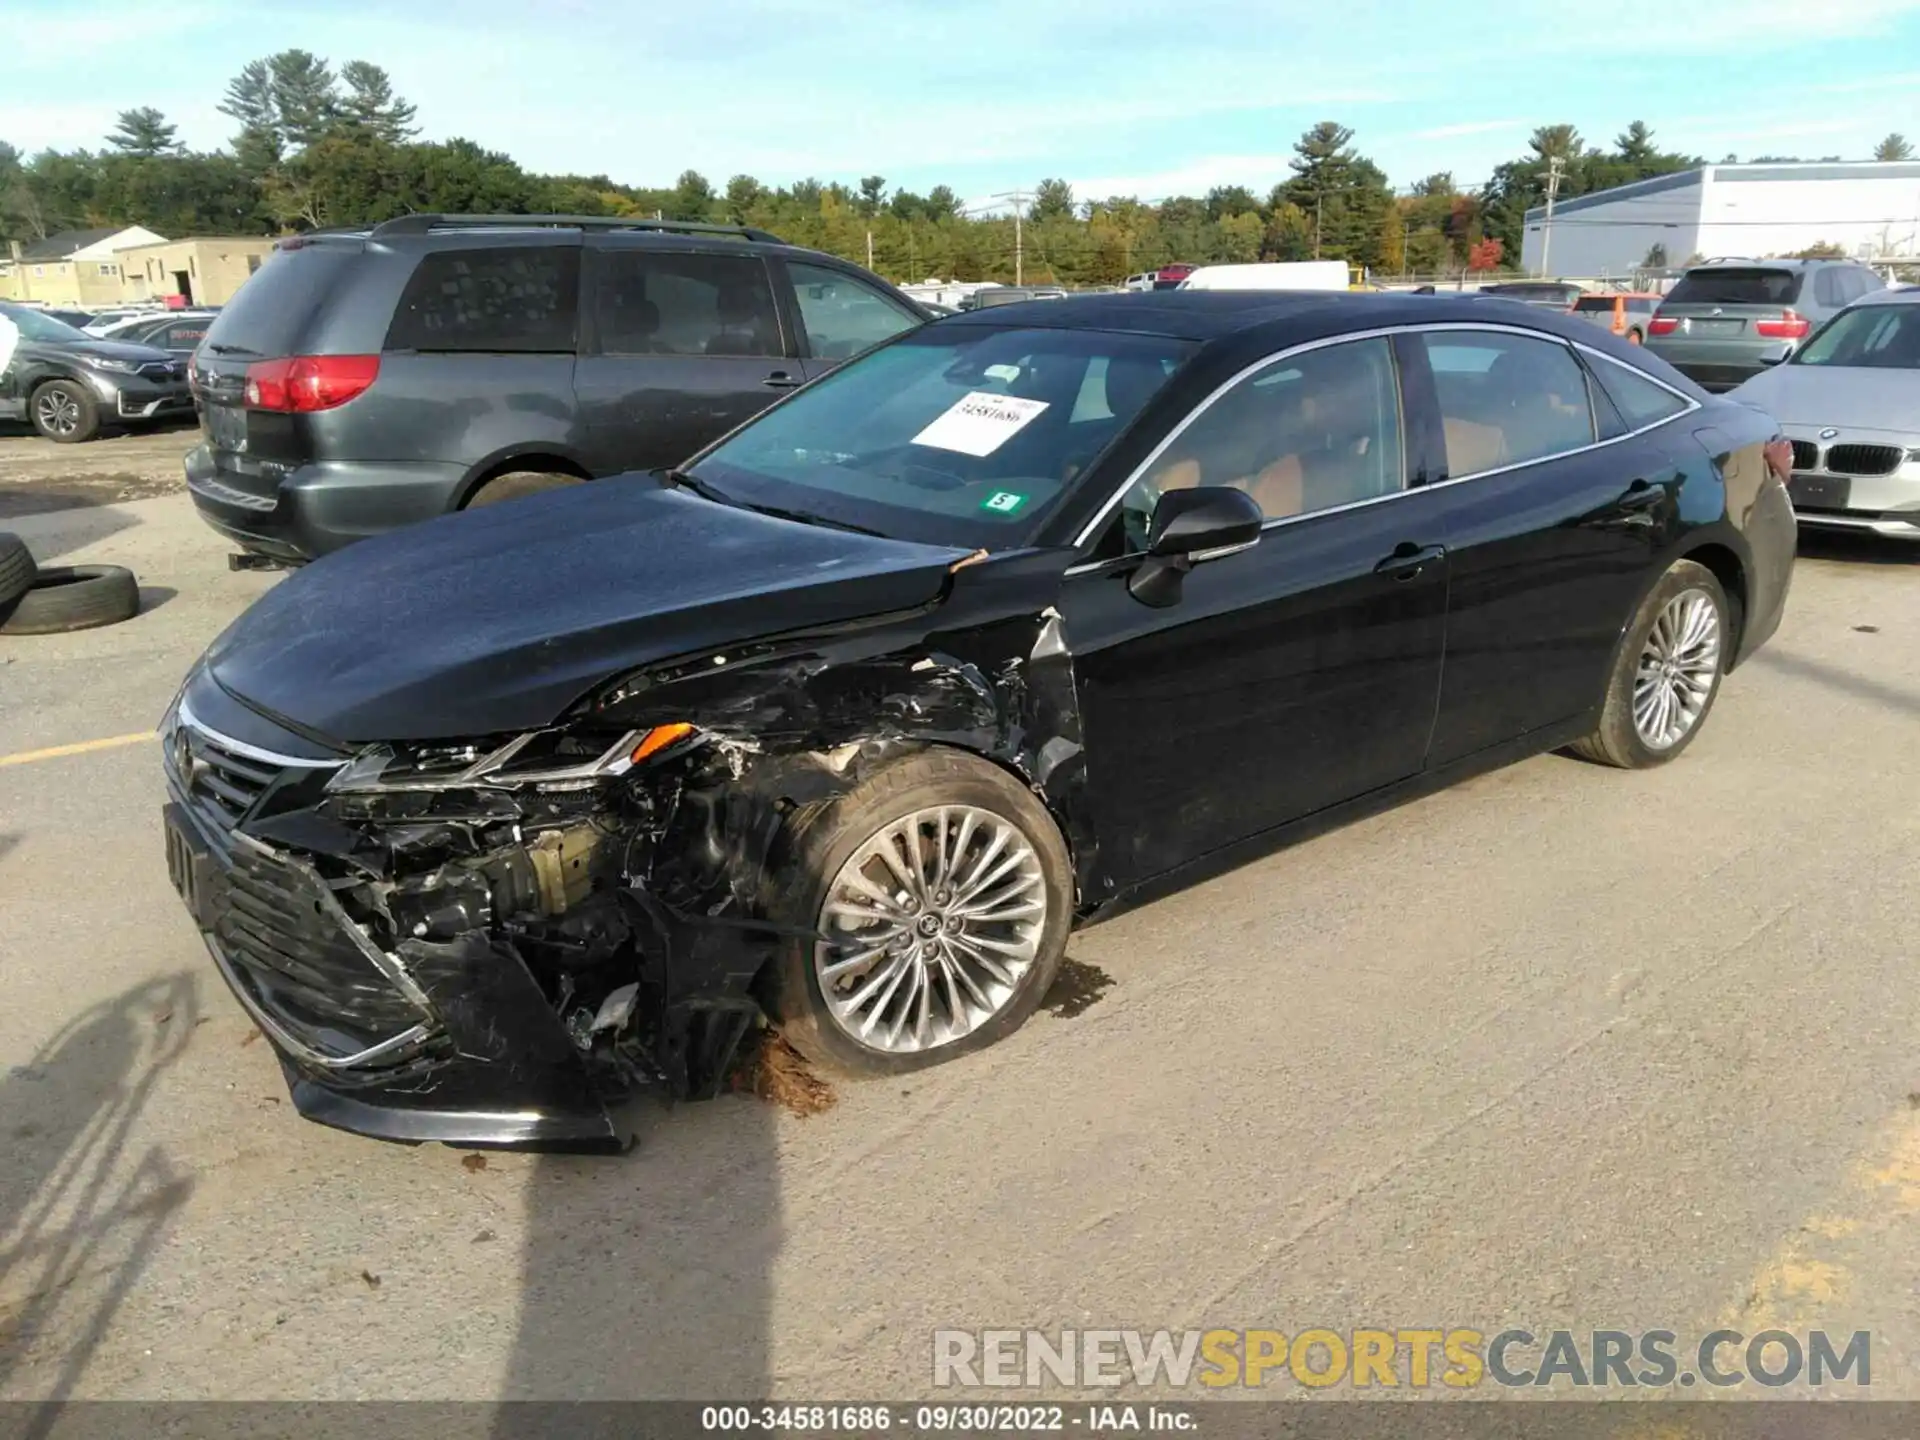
point(72, 597)
point(16, 568)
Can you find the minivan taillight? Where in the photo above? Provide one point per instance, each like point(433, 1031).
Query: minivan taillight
point(301, 384)
point(1662, 325)
point(1790, 326)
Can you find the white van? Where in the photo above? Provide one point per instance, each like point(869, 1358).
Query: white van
point(1277, 275)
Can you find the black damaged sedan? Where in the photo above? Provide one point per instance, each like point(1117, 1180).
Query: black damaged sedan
point(1022, 616)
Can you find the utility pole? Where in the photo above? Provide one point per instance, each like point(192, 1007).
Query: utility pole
point(869, 249)
point(1319, 196)
point(1019, 199)
point(1555, 167)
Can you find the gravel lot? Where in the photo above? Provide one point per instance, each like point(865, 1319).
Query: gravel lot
point(1557, 1047)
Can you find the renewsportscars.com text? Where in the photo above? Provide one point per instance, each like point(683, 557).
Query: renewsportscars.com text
point(1404, 1358)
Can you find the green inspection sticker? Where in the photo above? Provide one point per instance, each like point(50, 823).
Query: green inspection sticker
point(1003, 502)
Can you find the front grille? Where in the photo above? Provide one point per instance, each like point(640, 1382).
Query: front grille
point(162, 372)
point(1864, 459)
point(1806, 455)
point(217, 782)
point(282, 930)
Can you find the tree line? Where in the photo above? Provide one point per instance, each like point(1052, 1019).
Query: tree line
point(316, 147)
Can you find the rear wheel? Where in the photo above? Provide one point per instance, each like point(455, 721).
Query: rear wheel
point(518, 484)
point(945, 891)
point(1667, 673)
point(1634, 337)
point(63, 412)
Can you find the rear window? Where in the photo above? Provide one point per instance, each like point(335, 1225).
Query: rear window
point(1595, 304)
point(1742, 286)
point(518, 300)
point(271, 313)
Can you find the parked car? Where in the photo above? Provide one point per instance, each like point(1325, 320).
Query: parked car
point(104, 322)
point(1849, 400)
point(1018, 618)
point(1272, 275)
point(77, 319)
point(68, 385)
point(1546, 294)
point(368, 379)
point(1011, 295)
point(1717, 322)
point(1625, 313)
point(178, 332)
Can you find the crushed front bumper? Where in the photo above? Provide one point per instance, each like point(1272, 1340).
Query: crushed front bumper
point(445, 1042)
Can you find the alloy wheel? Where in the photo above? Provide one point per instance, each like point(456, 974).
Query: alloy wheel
point(57, 412)
point(1678, 666)
point(935, 920)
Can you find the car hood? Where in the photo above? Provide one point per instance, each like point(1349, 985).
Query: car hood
point(1840, 396)
point(105, 349)
point(498, 619)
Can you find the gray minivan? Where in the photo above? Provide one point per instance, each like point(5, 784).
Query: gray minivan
point(1722, 317)
point(369, 378)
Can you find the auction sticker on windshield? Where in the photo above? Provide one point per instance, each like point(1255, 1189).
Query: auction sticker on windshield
point(979, 423)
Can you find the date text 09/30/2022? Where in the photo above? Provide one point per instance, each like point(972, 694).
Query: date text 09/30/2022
point(1090, 1419)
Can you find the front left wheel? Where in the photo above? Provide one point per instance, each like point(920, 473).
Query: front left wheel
point(63, 412)
point(944, 893)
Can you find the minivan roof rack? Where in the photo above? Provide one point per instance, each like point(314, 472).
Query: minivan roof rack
point(425, 224)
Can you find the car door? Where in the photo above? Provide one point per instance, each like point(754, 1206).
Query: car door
point(1557, 507)
point(680, 347)
point(1287, 677)
point(838, 314)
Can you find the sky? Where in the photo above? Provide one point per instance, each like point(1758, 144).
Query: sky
point(989, 96)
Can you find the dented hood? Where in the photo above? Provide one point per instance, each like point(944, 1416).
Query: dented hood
point(498, 619)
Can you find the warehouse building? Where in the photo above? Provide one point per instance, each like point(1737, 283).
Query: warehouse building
point(1869, 207)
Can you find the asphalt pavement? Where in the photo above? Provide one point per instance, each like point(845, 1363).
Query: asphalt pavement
point(1560, 1047)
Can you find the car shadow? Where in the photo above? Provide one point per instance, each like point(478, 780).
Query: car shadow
point(650, 1276)
point(85, 1202)
point(1857, 549)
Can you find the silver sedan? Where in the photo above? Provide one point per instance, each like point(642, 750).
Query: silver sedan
point(1849, 400)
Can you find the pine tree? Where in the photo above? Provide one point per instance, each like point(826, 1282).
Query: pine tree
point(305, 102)
point(258, 147)
point(144, 132)
point(1894, 147)
point(372, 105)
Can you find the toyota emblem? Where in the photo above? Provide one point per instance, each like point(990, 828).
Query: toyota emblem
point(1828, 433)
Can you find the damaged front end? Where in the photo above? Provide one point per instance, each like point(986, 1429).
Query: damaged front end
point(469, 943)
point(491, 942)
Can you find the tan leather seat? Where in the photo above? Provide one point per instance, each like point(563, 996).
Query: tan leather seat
point(1279, 489)
point(1472, 448)
point(1181, 475)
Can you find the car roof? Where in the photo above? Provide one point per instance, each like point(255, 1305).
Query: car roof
point(1205, 315)
point(1892, 295)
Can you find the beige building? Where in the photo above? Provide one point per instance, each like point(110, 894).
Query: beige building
point(205, 270)
point(93, 269)
point(73, 268)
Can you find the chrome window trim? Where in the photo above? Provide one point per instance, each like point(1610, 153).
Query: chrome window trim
point(1100, 518)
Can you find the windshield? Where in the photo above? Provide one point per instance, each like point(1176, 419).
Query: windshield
point(955, 435)
point(1736, 287)
point(32, 325)
point(1879, 337)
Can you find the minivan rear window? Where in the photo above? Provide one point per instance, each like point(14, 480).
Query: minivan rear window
point(1593, 304)
point(1737, 286)
point(270, 313)
point(512, 300)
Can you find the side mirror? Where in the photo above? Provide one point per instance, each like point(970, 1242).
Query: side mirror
point(1187, 528)
point(1775, 354)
